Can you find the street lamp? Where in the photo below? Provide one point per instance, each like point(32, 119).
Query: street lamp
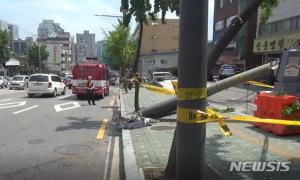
point(107, 15)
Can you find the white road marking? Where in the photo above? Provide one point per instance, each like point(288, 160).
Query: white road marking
point(5, 100)
point(26, 109)
point(12, 104)
point(59, 107)
point(63, 97)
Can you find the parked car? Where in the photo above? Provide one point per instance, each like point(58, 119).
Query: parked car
point(161, 76)
point(227, 70)
point(18, 82)
point(68, 81)
point(50, 84)
point(3, 82)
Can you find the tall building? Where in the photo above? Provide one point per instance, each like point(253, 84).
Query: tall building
point(21, 46)
point(281, 31)
point(13, 31)
point(48, 28)
point(240, 50)
point(100, 48)
point(159, 48)
point(59, 49)
point(86, 45)
point(3, 25)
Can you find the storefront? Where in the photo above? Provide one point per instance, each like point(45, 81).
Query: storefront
point(271, 47)
point(13, 67)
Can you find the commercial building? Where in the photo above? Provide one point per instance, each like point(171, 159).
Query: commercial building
point(281, 31)
point(59, 49)
point(159, 48)
point(20, 46)
point(85, 46)
point(3, 25)
point(240, 49)
point(48, 28)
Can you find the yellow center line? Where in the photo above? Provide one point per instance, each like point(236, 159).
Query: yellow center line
point(101, 131)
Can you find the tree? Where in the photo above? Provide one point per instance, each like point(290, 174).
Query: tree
point(4, 47)
point(36, 54)
point(142, 11)
point(120, 48)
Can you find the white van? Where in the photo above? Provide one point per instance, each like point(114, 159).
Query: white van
point(45, 84)
point(160, 76)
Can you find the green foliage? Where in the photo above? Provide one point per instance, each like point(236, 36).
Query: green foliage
point(120, 47)
point(4, 46)
point(35, 52)
point(267, 7)
point(291, 109)
point(142, 9)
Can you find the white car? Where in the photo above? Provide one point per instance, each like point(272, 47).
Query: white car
point(45, 84)
point(18, 82)
point(3, 82)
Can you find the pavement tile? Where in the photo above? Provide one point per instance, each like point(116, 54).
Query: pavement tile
point(247, 143)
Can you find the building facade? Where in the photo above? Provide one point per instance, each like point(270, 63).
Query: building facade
point(240, 49)
point(21, 46)
point(85, 46)
point(159, 47)
point(48, 28)
point(60, 52)
point(281, 31)
point(3, 25)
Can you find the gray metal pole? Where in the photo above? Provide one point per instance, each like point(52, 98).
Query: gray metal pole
point(168, 106)
point(40, 61)
point(190, 137)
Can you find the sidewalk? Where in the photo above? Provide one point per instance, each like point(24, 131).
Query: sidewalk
point(151, 145)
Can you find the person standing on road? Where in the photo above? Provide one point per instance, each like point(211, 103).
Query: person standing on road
point(90, 86)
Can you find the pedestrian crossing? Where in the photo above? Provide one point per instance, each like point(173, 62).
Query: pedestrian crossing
point(20, 106)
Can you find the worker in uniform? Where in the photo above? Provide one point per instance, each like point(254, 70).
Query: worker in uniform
point(90, 87)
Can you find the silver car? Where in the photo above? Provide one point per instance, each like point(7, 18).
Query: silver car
point(3, 82)
point(18, 82)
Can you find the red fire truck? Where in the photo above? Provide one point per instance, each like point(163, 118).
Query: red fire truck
point(100, 77)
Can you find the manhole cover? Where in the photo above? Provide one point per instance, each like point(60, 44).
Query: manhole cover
point(73, 149)
point(162, 128)
point(36, 141)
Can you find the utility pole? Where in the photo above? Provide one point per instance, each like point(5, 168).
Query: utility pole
point(192, 68)
point(40, 61)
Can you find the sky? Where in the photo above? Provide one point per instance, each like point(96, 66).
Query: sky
point(74, 16)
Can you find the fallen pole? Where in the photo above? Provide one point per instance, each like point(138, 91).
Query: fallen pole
point(169, 106)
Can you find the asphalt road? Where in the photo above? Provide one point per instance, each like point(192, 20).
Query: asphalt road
point(56, 137)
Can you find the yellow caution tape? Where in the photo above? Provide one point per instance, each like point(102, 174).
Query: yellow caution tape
point(269, 121)
point(191, 93)
point(195, 116)
point(158, 89)
point(255, 83)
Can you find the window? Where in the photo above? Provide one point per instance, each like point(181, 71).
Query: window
point(265, 29)
point(55, 79)
point(294, 23)
point(153, 50)
point(39, 78)
point(154, 37)
point(163, 61)
point(221, 3)
point(284, 26)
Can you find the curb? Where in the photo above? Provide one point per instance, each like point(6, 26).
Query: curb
point(132, 172)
